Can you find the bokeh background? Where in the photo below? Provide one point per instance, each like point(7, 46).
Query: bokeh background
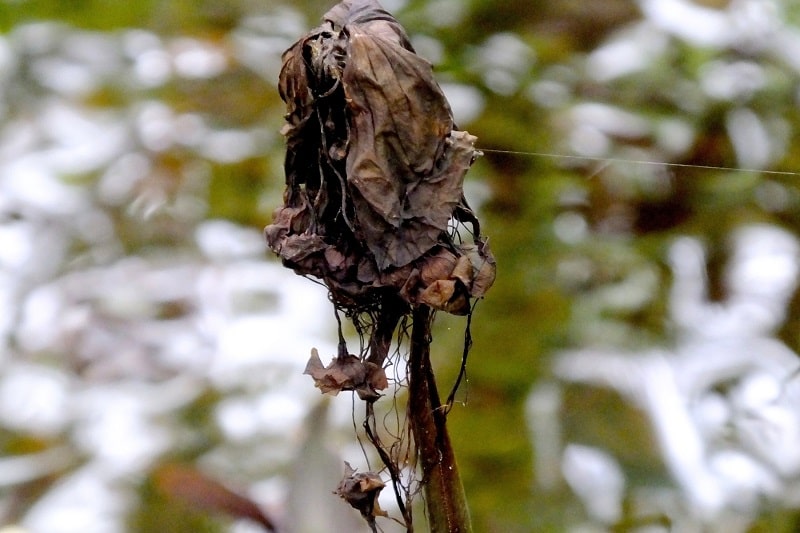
point(634, 368)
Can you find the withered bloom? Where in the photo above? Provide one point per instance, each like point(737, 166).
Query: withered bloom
point(347, 372)
point(374, 169)
point(361, 491)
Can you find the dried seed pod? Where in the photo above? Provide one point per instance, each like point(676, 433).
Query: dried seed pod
point(361, 490)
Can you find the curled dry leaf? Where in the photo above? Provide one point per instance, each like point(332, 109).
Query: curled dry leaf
point(361, 490)
point(346, 372)
point(374, 169)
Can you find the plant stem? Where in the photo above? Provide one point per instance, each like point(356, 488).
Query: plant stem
point(444, 494)
point(392, 310)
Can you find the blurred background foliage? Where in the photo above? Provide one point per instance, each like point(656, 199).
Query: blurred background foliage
point(140, 157)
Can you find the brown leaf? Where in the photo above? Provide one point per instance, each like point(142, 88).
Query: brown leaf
point(192, 487)
point(286, 221)
point(403, 193)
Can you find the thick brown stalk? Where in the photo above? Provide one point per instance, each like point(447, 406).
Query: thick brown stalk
point(444, 494)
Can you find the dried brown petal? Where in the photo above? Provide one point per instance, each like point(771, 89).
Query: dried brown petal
point(484, 268)
point(335, 259)
point(446, 295)
point(347, 373)
point(463, 271)
point(438, 293)
point(376, 377)
point(438, 266)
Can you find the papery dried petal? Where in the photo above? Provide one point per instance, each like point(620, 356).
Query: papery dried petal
point(346, 373)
